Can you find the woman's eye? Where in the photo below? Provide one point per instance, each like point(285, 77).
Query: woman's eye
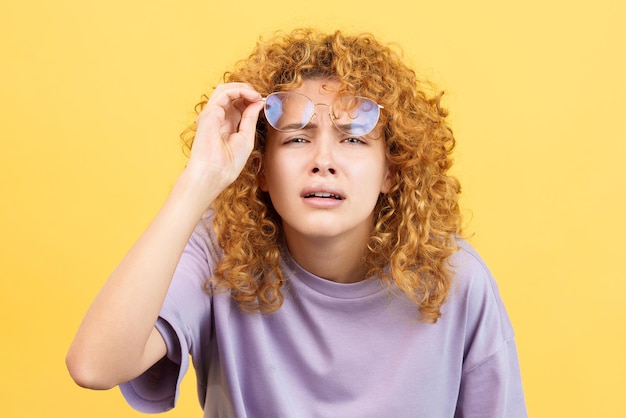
point(353, 141)
point(296, 141)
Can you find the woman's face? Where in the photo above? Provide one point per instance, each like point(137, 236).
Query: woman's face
point(324, 183)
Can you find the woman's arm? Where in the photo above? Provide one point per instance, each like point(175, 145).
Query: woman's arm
point(117, 340)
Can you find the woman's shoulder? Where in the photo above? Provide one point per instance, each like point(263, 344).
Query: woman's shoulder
point(475, 290)
point(467, 261)
point(470, 272)
point(204, 237)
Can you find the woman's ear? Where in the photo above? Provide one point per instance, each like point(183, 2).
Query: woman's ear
point(388, 182)
point(260, 178)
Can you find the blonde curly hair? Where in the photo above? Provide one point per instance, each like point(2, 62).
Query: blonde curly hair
point(416, 223)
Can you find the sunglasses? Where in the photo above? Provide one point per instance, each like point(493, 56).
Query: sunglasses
point(287, 111)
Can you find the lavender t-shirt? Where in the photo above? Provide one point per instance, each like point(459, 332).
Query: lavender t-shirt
point(335, 350)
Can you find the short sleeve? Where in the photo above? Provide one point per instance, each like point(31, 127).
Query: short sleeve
point(493, 389)
point(491, 385)
point(157, 389)
point(185, 325)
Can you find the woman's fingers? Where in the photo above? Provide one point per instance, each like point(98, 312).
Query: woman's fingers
point(228, 93)
point(229, 102)
point(225, 131)
point(249, 118)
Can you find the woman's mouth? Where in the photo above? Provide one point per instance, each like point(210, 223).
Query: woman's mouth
point(324, 195)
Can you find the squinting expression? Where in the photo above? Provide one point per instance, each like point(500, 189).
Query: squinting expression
point(323, 183)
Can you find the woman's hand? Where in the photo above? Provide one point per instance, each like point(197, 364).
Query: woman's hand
point(225, 132)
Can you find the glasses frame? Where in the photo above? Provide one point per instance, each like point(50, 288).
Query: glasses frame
point(330, 112)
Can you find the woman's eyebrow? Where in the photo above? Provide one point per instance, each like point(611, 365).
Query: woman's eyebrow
point(347, 127)
point(298, 127)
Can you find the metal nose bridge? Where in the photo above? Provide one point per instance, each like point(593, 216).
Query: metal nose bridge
point(331, 116)
point(330, 111)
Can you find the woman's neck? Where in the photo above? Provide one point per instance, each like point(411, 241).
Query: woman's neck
point(338, 259)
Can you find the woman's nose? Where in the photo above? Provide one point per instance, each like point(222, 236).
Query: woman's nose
point(321, 170)
point(323, 161)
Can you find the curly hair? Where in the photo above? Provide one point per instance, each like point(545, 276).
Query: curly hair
point(415, 224)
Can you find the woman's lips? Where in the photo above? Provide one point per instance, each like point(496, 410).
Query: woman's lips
point(325, 197)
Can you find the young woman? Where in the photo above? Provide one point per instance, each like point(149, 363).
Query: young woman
point(309, 256)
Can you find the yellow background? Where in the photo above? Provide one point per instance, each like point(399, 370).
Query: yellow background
point(93, 95)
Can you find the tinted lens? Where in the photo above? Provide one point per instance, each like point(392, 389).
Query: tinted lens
point(289, 111)
point(355, 115)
